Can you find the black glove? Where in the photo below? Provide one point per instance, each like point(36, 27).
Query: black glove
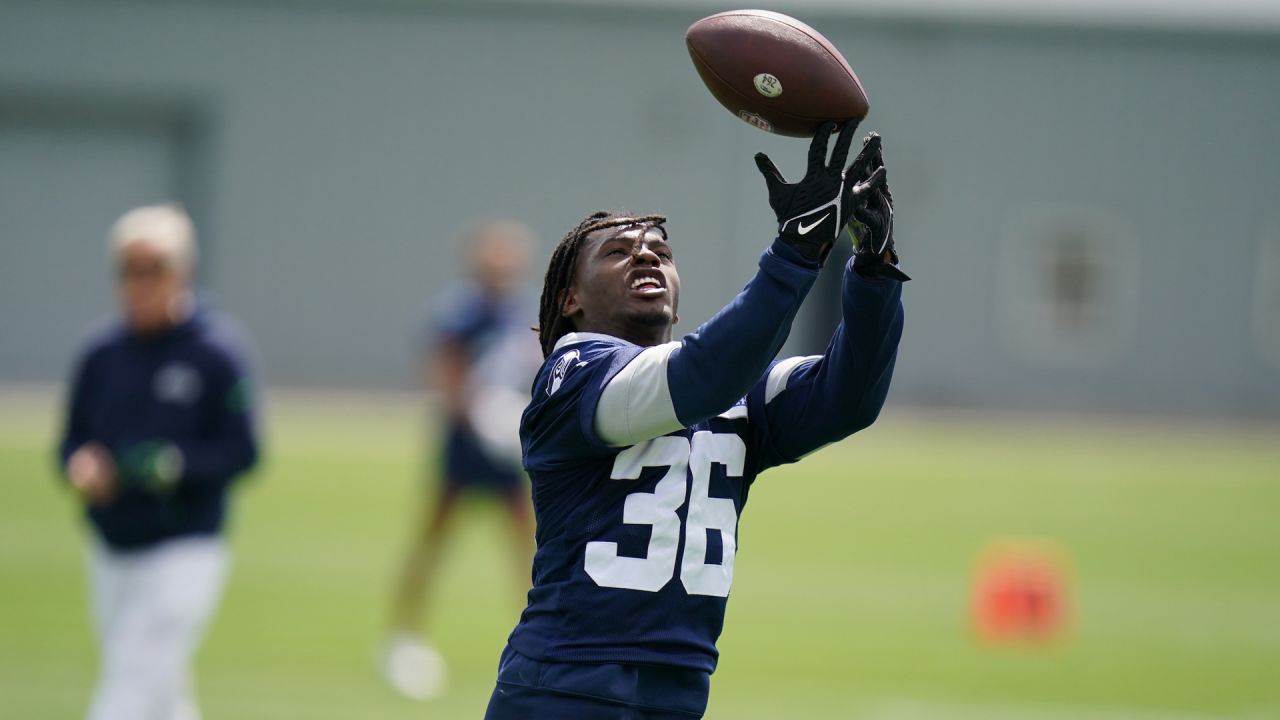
point(812, 212)
point(872, 227)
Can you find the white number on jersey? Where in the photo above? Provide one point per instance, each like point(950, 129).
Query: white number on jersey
point(658, 509)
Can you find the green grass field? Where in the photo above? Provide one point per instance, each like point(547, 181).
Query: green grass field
point(851, 586)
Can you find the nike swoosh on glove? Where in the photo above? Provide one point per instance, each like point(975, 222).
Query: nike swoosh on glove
point(812, 212)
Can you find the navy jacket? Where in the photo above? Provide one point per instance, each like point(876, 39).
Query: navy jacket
point(188, 389)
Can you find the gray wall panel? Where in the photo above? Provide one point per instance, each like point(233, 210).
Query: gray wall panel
point(339, 147)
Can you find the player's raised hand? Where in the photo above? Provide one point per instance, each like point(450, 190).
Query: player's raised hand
point(869, 159)
point(812, 212)
point(872, 222)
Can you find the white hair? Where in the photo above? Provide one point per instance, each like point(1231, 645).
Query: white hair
point(166, 228)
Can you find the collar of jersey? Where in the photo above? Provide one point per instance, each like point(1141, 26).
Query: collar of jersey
point(574, 338)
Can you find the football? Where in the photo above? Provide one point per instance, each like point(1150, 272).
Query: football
point(775, 72)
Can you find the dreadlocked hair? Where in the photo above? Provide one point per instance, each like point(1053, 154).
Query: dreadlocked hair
point(552, 324)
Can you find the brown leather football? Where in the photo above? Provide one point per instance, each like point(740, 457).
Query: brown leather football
point(775, 72)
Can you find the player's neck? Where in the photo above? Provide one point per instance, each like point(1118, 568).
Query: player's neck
point(644, 335)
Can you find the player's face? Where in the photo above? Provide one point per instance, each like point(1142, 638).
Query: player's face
point(150, 288)
point(626, 285)
point(499, 261)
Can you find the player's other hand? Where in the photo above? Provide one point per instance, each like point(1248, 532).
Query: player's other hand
point(811, 213)
point(872, 224)
point(92, 473)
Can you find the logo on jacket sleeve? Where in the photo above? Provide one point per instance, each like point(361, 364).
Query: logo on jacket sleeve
point(177, 383)
point(560, 369)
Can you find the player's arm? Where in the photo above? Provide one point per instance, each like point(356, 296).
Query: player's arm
point(86, 463)
point(809, 402)
point(226, 447)
point(75, 432)
point(680, 383)
point(447, 362)
point(449, 372)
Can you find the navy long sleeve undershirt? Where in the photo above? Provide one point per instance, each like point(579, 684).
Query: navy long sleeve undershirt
point(719, 362)
point(823, 399)
point(842, 391)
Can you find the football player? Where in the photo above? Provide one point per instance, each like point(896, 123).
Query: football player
point(642, 449)
point(480, 361)
point(161, 421)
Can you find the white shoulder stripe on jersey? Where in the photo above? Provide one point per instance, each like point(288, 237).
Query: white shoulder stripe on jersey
point(636, 405)
point(580, 337)
point(781, 373)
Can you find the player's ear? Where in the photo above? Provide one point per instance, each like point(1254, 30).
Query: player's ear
point(569, 302)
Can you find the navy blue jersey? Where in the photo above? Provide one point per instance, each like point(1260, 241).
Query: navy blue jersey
point(492, 332)
point(188, 389)
point(642, 460)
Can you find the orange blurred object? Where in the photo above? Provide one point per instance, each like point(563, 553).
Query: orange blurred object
point(1021, 592)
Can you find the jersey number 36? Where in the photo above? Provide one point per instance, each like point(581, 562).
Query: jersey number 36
point(682, 458)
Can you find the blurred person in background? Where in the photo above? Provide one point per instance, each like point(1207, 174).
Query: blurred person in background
point(160, 422)
point(481, 360)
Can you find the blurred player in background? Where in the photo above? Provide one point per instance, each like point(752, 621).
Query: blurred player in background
point(642, 449)
point(481, 360)
point(161, 420)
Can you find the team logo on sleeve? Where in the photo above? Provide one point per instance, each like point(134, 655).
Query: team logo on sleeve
point(177, 383)
point(560, 369)
point(737, 412)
